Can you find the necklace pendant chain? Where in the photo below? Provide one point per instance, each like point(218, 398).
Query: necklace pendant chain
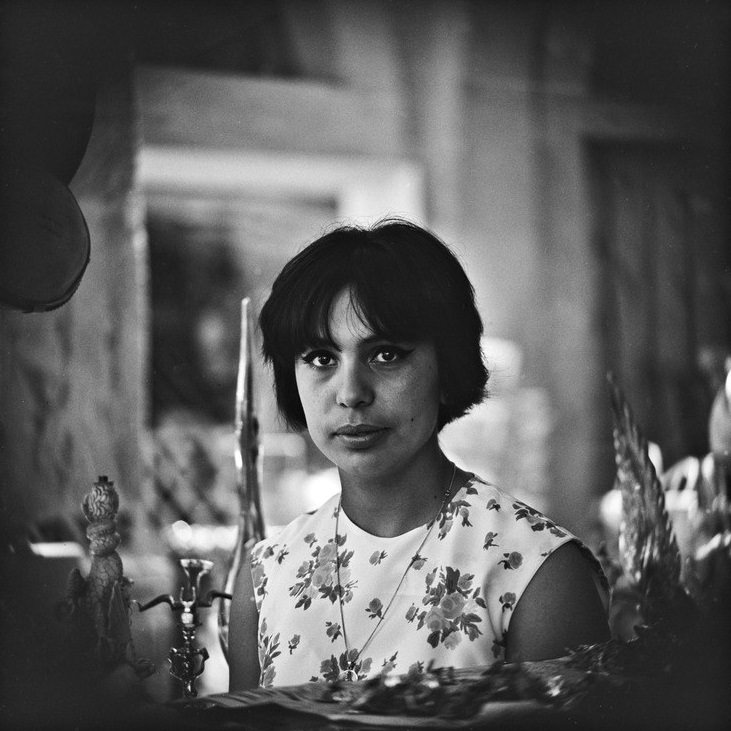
point(350, 674)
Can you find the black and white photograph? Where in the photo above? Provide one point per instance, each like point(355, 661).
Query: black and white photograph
point(365, 364)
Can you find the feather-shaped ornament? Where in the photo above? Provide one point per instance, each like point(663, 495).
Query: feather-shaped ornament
point(648, 551)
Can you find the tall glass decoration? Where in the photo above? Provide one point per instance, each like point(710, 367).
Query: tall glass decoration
point(246, 454)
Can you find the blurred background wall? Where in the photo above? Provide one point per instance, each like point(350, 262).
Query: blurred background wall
point(573, 154)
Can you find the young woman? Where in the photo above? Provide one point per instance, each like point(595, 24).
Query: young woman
point(374, 341)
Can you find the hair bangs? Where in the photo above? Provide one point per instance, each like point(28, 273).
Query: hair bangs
point(384, 301)
point(380, 296)
point(309, 324)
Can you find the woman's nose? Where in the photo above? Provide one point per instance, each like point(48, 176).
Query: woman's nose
point(354, 387)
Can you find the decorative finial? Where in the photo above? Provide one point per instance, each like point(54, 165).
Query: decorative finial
point(99, 603)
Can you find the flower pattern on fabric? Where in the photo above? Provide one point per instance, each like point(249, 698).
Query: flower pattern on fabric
point(258, 573)
point(377, 557)
point(458, 507)
point(375, 609)
point(512, 560)
point(268, 651)
point(320, 574)
point(333, 630)
point(537, 521)
point(507, 600)
point(292, 644)
point(452, 608)
point(283, 553)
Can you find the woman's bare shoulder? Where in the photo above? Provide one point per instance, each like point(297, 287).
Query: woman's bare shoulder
point(562, 608)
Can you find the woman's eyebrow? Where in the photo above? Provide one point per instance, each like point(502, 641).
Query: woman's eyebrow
point(374, 339)
point(384, 338)
point(377, 338)
point(322, 342)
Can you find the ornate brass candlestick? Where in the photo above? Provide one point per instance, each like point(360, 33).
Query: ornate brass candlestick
point(188, 661)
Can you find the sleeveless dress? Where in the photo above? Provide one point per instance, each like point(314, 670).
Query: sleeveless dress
point(453, 607)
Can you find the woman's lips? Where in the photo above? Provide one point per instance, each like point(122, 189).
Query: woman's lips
point(359, 436)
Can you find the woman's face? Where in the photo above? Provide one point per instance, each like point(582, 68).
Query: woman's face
point(371, 404)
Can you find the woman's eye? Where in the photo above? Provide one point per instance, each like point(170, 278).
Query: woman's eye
point(390, 355)
point(318, 359)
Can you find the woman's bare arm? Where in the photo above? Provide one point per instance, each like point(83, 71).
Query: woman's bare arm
point(243, 656)
point(559, 610)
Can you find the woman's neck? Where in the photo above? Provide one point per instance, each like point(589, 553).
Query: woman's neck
point(391, 504)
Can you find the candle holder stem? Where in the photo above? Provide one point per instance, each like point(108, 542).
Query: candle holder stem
point(188, 661)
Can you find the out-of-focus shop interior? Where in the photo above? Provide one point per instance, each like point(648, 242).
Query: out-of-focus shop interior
point(574, 155)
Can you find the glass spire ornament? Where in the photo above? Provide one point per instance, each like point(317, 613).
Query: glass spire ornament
point(246, 454)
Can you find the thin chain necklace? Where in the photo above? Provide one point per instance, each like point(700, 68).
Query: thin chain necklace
point(350, 672)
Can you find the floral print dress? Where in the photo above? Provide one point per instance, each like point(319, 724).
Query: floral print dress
point(453, 607)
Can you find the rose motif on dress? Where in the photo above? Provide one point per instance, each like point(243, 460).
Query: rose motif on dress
point(320, 575)
point(453, 608)
point(512, 560)
point(375, 609)
point(507, 601)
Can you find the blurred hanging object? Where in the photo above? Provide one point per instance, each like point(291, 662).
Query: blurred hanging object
point(44, 240)
point(251, 522)
point(648, 551)
point(51, 58)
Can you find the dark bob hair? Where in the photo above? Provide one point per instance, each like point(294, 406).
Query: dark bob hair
point(405, 284)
